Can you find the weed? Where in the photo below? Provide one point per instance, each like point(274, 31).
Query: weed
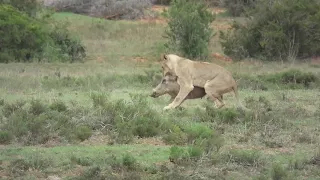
point(5, 137)
point(2, 102)
point(278, 172)
point(177, 154)
point(83, 161)
point(37, 107)
point(292, 77)
point(245, 157)
point(99, 99)
point(10, 108)
point(59, 106)
point(94, 172)
point(129, 161)
point(228, 115)
point(175, 136)
point(18, 167)
point(83, 132)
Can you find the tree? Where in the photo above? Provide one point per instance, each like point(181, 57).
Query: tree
point(189, 28)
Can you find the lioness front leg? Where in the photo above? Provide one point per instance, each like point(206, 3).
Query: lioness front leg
point(184, 91)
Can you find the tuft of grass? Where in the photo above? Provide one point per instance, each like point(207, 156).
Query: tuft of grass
point(83, 132)
point(246, 157)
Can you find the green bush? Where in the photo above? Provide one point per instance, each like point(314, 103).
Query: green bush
point(245, 157)
point(278, 172)
point(129, 161)
point(59, 106)
point(83, 132)
point(175, 136)
point(236, 7)
point(21, 36)
point(292, 76)
point(189, 29)
point(5, 137)
point(66, 47)
point(24, 38)
point(30, 7)
point(278, 30)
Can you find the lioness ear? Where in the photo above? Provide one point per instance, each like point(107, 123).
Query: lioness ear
point(164, 57)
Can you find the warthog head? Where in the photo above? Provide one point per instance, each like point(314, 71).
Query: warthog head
point(168, 85)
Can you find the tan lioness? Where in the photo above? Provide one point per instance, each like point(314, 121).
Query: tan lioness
point(215, 79)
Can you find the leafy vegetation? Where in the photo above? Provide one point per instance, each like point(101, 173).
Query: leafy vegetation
point(279, 30)
point(189, 28)
point(32, 38)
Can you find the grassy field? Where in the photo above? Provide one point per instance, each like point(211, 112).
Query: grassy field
point(95, 120)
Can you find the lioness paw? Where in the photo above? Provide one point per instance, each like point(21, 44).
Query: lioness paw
point(167, 108)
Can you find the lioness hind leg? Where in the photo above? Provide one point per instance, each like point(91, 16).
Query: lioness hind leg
point(215, 91)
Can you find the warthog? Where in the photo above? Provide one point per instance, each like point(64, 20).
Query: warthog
point(170, 86)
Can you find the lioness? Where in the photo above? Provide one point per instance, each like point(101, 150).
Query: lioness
point(169, 85)
point(215, 80)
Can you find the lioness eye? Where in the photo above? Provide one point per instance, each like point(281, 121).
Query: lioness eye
point(163, 81)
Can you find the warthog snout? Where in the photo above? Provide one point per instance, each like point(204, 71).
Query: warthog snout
point(154, 94)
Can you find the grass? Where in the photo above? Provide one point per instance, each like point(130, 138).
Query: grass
point(276, 141)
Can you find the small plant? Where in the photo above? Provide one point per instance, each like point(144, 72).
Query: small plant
point(177, 154)
point(175, 136)
point(292, 77)
point(10, 108)
point(2, 102)
point(195, 152)
point(99, 99)
point(278, 172)
point(59, 106)
point(245, 157)
point(83, 132)
point(5, 137)
point(83, 161)
point(37, 107)
point(189, 28)
point(129, 161)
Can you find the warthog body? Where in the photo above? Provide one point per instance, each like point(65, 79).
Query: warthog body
point(170, 86)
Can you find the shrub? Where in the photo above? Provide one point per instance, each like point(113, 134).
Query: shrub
point(230, 115)
point(236, 7)
point(10, 108)
point(37, 107)
point(30, 7)
point(189, 29)
point(66, 47)
point(5, 137)
point(177, 154)
point(175, 136)
point(129, 161)
point(83, 132)
point(26, 36)
point(34, 39)
point(245, 157)
point(278, 30)
point(292, 76)
point(59, 106)
point(278, 172)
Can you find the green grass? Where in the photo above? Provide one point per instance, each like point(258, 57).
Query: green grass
point(283, 129)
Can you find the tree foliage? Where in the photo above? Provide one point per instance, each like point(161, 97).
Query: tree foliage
point(278, 29)
point(189, 28)
point(25, 38)
point(21, 36)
